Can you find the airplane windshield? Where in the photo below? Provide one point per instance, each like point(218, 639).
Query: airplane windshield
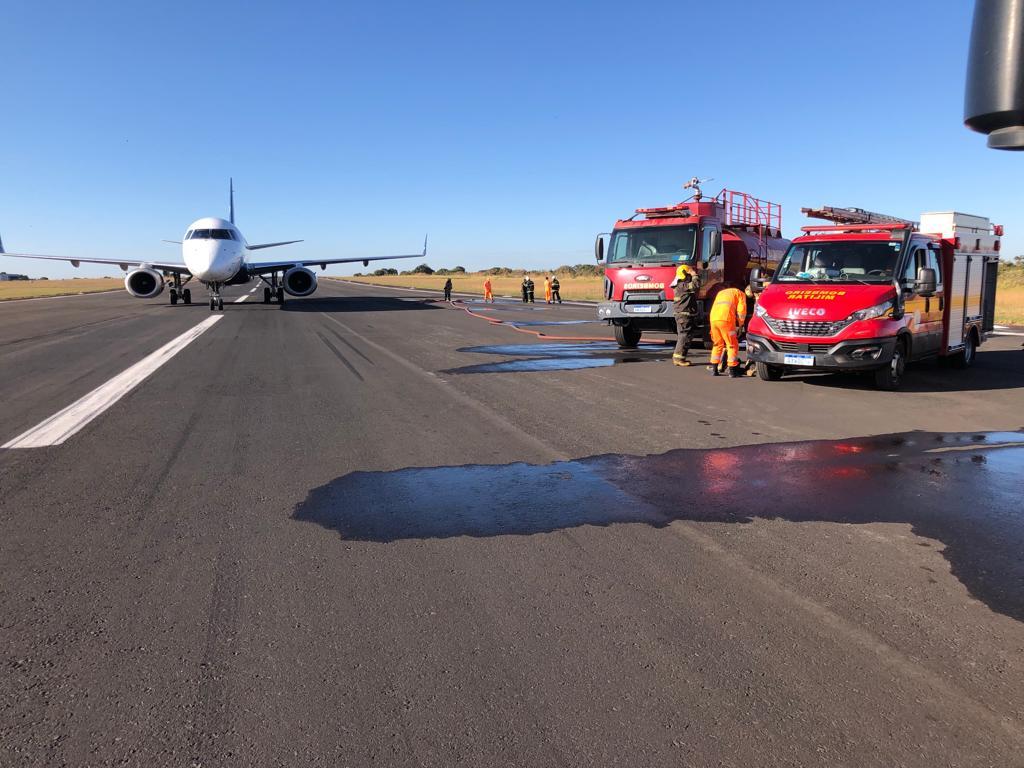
point(212, 234)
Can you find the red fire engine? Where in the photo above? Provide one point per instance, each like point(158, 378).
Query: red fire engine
point(873, 292)
point(724, 237)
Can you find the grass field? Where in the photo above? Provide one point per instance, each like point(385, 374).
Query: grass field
point(36, 289)
point(1009, 298)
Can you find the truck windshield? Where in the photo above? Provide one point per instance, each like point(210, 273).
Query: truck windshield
point(845, 261)
point(653, 244)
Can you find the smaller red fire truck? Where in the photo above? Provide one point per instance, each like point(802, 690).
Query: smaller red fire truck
point(723, 237)
point(872, 292)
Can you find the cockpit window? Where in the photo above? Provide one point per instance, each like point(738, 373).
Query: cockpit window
point(211, 234)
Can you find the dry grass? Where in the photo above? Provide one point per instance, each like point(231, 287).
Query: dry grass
point(1010, 305)
point(35, 289)
point(572, 288)
point(1009, 299)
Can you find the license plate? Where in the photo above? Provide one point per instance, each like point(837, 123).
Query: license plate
point(802, 360)
point(645, 308)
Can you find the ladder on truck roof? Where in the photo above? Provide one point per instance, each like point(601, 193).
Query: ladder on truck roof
point(854, 216)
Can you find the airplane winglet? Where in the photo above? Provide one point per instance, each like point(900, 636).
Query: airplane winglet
point(2, 246)
point(425, 244)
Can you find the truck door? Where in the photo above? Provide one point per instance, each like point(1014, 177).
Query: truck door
point(713, 264)
point(935, 305)
point(916, 308)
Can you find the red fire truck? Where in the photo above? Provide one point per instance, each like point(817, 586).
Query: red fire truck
point(872, 292)
point(725, 237)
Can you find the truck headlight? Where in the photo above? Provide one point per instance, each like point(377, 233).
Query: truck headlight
point(760, 311)
point(871, 312)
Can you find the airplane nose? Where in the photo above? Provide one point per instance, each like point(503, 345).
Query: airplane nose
point(200, 257)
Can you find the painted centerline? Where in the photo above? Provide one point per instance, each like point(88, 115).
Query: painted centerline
point(63, 424)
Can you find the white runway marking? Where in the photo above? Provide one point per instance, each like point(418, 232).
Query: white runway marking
point(241, 298)
point(63, 424)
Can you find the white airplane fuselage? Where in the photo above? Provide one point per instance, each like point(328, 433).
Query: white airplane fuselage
point(213, 250)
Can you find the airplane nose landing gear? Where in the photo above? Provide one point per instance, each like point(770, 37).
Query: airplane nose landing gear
point(216, 302)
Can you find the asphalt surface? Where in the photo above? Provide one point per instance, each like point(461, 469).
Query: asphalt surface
point(372, 529)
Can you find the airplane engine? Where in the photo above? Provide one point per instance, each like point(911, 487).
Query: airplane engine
point(144, 283)
point(299, 281)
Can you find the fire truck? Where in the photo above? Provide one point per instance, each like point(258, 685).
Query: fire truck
point(871, 292)
point(723, 237)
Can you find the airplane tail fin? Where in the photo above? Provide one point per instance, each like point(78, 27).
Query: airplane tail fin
point(231, 200)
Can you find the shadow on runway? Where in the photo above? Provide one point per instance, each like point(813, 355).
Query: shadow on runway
point(993, 369)
point(961, 489)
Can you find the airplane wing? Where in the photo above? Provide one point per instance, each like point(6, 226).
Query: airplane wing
point(262, 267)
point(167, 266)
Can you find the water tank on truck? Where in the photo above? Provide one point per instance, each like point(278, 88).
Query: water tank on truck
point(723, 237)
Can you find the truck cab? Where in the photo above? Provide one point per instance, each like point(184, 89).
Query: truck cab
point(874, 296)
point(723, 238)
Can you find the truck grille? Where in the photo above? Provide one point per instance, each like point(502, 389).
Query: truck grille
point(793, 346)
point(804, 327)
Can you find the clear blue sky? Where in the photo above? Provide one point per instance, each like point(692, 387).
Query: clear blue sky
point(512, 132)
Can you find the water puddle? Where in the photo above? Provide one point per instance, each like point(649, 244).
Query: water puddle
point(961, 489)
point(564, 356)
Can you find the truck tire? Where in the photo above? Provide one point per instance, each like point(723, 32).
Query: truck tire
point(965, 358)
point(890, 377)
point(627, 336)
point(767, 372)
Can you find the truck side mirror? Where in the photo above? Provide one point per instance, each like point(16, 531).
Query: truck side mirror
point(756, 280)
point(927, 282)
point(716, 243)
point(599, 247)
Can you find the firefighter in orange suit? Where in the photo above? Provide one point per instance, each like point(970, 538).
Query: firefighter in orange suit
point(488, 296)
point(547, 289)
point(726, 318)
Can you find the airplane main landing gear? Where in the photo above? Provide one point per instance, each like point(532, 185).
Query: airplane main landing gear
point(174, 297)
point(266, 295)
point(179, 294)
point(186, 296)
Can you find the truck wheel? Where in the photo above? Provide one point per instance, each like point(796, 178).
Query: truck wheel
point(965, 358)
point(891, 376)
point(627, 336)
point(767, 372)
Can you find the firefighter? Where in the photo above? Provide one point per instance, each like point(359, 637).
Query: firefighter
point(525, 289)
point(448, 289)
point(547, 288)
point(726, 318)
point(488, 295)
point(686, 286)
point(529, 288)
point(555, 288)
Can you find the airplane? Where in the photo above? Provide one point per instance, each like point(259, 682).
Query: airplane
point(215, 253)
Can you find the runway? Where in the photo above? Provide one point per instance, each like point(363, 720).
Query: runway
point(369, 528)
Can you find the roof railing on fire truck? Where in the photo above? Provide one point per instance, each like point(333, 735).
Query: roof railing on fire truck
point(739, 208)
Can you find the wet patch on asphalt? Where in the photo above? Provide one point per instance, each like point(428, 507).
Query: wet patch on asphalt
point(565, 356)
point(960, 489)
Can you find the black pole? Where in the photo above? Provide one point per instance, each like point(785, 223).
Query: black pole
point(994, 97)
